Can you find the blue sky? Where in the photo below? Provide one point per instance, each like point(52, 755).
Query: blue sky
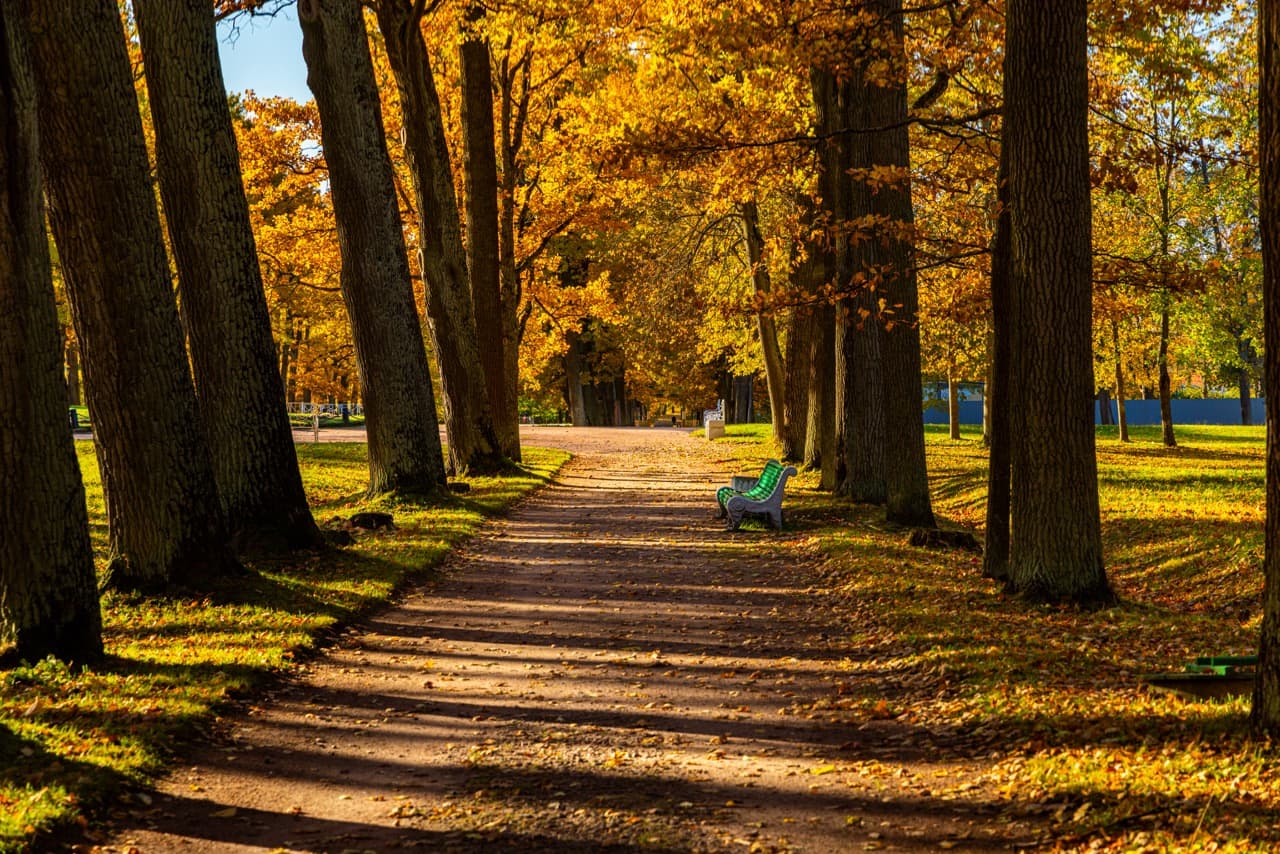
point(264, 54)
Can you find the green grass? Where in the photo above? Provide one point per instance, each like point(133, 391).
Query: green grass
point(1044, 708)
point(742, 434)
point(68, 738)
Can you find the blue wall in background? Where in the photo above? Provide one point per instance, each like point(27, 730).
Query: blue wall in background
point(970, 413)
point(1139, 412)
point(1190, 411)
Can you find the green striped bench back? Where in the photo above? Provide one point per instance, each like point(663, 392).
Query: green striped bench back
point(768, 480)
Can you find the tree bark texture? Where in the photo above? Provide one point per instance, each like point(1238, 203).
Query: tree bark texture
point(1266, 693)
point(48, 590)
point(164, 514)
point(233, 357)
point(859, 335)
point(797, 400)
point(1056, 545)
point(820, 440)
point(400, 411)
point(480, 173)
point(906, 476)
point(775, 376)
point(995, 551)
point(473, 443)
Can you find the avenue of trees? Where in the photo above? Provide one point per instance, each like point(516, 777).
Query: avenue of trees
point(614, 208)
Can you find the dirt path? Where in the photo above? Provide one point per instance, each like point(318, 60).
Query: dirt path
point(604, 670)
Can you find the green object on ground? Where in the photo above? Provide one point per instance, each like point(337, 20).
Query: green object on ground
point(1209, 676)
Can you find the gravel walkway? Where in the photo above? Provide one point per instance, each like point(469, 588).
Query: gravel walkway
point(605, 669)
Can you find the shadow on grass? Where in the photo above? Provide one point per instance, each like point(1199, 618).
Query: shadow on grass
point(44, 779)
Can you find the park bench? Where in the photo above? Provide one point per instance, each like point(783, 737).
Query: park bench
point(716, 414)
point(1208, 676)
point(760, 496)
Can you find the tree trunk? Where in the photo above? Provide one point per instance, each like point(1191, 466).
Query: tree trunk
point(480, 172)
point(768, 330)
point(986, 389)
point(820, 439)
point(72, 357)
point(953, 405)
point(573, 380)
point(821, 368)
point(1246, 404)
point(905, 471)
point(1056, 549)
point(797, 383)
point(165, 519)
point(860, 336)
point(400, 410)
point(513, 112)
point(473, 443)
point(743, 400)
point(48, 590)
point(1104, 407)
point(804, 279)
point(219, 281)
point(995, 551)
point(1122, 415)
point(1266, 692)
point(1166, 390)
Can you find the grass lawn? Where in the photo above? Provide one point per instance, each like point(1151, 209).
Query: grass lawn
point(1040, 711)
point(69, 738)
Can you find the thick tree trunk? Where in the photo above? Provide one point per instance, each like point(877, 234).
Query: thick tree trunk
point(219, 281)
point(480, 171)
point(48, 591)
point(906, 475)
point(473, 443)
point(860, 335)
point(1122, 414)
point(1166, 387)
point(1056, 549)
point(995, 551)
point(765, 325)
point(1266, 693)
point(400, 410)
point(797, 400)
point(164, 515)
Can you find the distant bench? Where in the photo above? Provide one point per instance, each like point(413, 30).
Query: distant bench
point(761, 497)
